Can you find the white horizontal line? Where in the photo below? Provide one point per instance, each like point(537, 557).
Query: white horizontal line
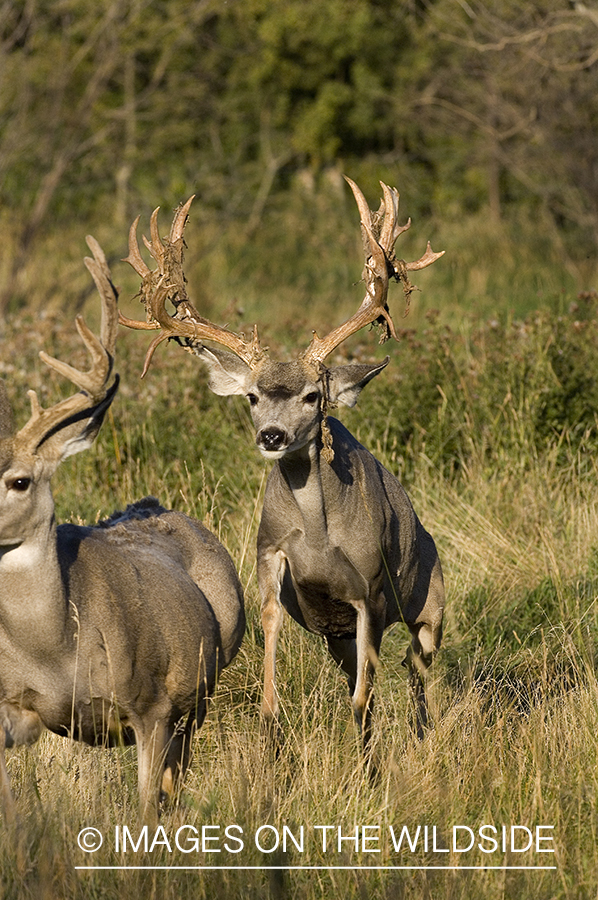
point(293, 868)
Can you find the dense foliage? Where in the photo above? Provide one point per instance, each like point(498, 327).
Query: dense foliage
point(484, 116)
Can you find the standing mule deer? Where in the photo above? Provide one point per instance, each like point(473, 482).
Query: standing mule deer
point(339, 545)
point(108, 633)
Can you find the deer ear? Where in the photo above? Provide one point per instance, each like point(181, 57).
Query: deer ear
point(345, 383)
point(227, 373)
point(74, 434)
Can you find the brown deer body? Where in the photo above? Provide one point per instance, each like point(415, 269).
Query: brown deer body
point(108, 633)
point(339, 545)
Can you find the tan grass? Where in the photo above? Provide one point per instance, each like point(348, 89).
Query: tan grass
point(513, 693)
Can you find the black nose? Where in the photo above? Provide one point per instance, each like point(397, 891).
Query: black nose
point(271, 438)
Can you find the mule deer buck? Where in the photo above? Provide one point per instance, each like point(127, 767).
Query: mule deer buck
point(339, 545)
point(108, 633)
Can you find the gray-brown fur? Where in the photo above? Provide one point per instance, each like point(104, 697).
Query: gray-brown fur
point(282, 378)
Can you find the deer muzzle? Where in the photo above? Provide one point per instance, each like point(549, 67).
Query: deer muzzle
point(272, 440)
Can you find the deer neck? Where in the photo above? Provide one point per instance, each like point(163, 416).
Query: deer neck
point(32, 595)
point(303, 474)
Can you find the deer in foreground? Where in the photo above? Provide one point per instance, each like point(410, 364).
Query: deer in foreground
point(339, 545)
point(112, 633)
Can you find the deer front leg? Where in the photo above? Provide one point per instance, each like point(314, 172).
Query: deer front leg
point(17, 726)
point(370, 628)
point(270, 574)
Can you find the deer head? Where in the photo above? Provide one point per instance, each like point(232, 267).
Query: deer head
point(289, 400)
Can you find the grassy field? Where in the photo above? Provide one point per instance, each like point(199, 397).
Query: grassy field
point(492, 429)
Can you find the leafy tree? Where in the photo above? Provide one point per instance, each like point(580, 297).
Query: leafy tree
point(70, 102)
point(259, 105)
point(512, 90)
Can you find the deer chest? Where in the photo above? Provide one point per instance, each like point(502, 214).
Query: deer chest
point(322, 590)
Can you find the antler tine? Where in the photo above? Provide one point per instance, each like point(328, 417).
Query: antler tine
point(362, 204)
point(391, 229)
point(155, 247)
point(426, 260)
point(180, 220)
point(380, 231)
point(101, 350)
point(136, 261)
point(167, 282)
point(94, 379)
point(100, 272)
point(135, 258)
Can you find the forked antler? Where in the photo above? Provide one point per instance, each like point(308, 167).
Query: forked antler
point(380, 230)
point(167, 282)
point(95, 385)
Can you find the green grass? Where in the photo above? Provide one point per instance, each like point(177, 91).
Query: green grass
point(492, 429)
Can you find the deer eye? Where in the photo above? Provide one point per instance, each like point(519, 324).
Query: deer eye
point(252, 399)
point(312, 397)
point(19, 484)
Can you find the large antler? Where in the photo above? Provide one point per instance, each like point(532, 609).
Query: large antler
point(167, 282)
point(380, 230)
point(97, 384)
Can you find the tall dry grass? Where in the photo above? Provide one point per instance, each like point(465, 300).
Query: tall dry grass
point(508, 489)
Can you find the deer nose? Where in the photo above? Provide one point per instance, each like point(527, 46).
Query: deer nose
point(272, 438)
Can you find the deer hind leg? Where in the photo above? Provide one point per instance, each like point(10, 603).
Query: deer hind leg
point(425, 642)
point(426, 634)
point(178, 754)
point(153, 739)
